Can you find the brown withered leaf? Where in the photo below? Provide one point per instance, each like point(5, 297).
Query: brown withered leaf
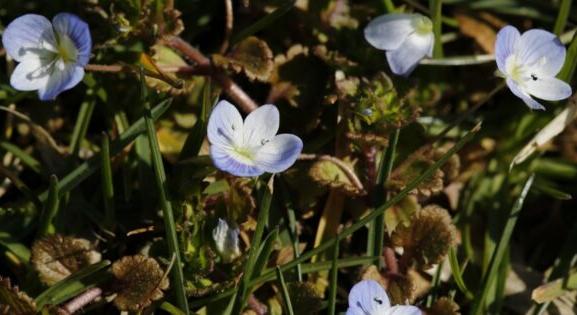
point(251, 56)
point(140, 281)
point(55, 257)
point(444, 306)
point(428, 238)
point(480, 31)
point(13, 301)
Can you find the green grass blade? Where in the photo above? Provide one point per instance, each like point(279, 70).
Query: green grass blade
point(168, 215)
point(50, 209)
point(389, 6)
point(196, 137)
point(26, 158)
point(385, 169)
point(18, 249)
point(333, 280)
point(171, 309)
point(436, 7)
point(562, 17)
point(79, 174)
point(80, 281)
point(458, 274)
point(500, 249)
point(262, 220)
point(568, 70)
point(81, 125)
point(263, 22)
point(270, 275)
point(264, 252)
point(107, 183)
point(288, 307)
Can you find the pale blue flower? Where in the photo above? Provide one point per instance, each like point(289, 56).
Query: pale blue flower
point(407, 38)
point(369, 298)
point(252, 147)
point(51, 56)
point(530, 62)
point(226, 240)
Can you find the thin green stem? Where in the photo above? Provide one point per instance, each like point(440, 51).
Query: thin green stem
point(107, 182)
point(437, 15)
point(333, 281)
point(500, 249)
point(389, 6)
point(285, 294)
point(81, 125)
point(562, 17)
point(168, 215)
point(50, 208)
point(385, 169)
point(262, 219)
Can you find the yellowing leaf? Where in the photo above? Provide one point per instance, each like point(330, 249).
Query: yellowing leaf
point(401, 213)
point(329, 173)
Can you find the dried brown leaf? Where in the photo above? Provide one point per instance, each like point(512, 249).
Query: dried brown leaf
point(140, 281)
point(444, 306)
point(55, 257)
point(13, 301)
point(483, 34)
point(428, 238)
point(251, 56)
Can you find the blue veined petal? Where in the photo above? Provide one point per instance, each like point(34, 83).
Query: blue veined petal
point(368, 297)
point(548, 88)
point(389, 31)
point(27, 35)
point(403, 310)
point(29, 75)
point(404, 59)
point(260, 125)
point(225, 125)
point(63, 76)
point(529, 101)
point(505, 43)
point(279, 153)
point(78, 31)
point(224, 161)
point(542, 50)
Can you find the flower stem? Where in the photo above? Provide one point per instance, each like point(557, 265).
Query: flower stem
point(389, 6)
point(436, 14)
point(562, 17)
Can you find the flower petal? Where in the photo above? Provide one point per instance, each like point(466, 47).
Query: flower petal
point(223, 160)
point(226, 240)
point(369, 297)
point(548, 88)
point(403, 310)
point(404, 59)
point(261, 125)
point(28, 34)
point(279, 153)
point(78, 31)
point(63, 77)
point(389, 31)
point(505, 43)
point(533, 104)
point(29, 75)
point(225, 125)
point(541, 50)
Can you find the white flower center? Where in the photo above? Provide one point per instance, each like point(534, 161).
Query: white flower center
point(243, 155)
point(65, 48)
point(422, 25)
point(518, 72)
